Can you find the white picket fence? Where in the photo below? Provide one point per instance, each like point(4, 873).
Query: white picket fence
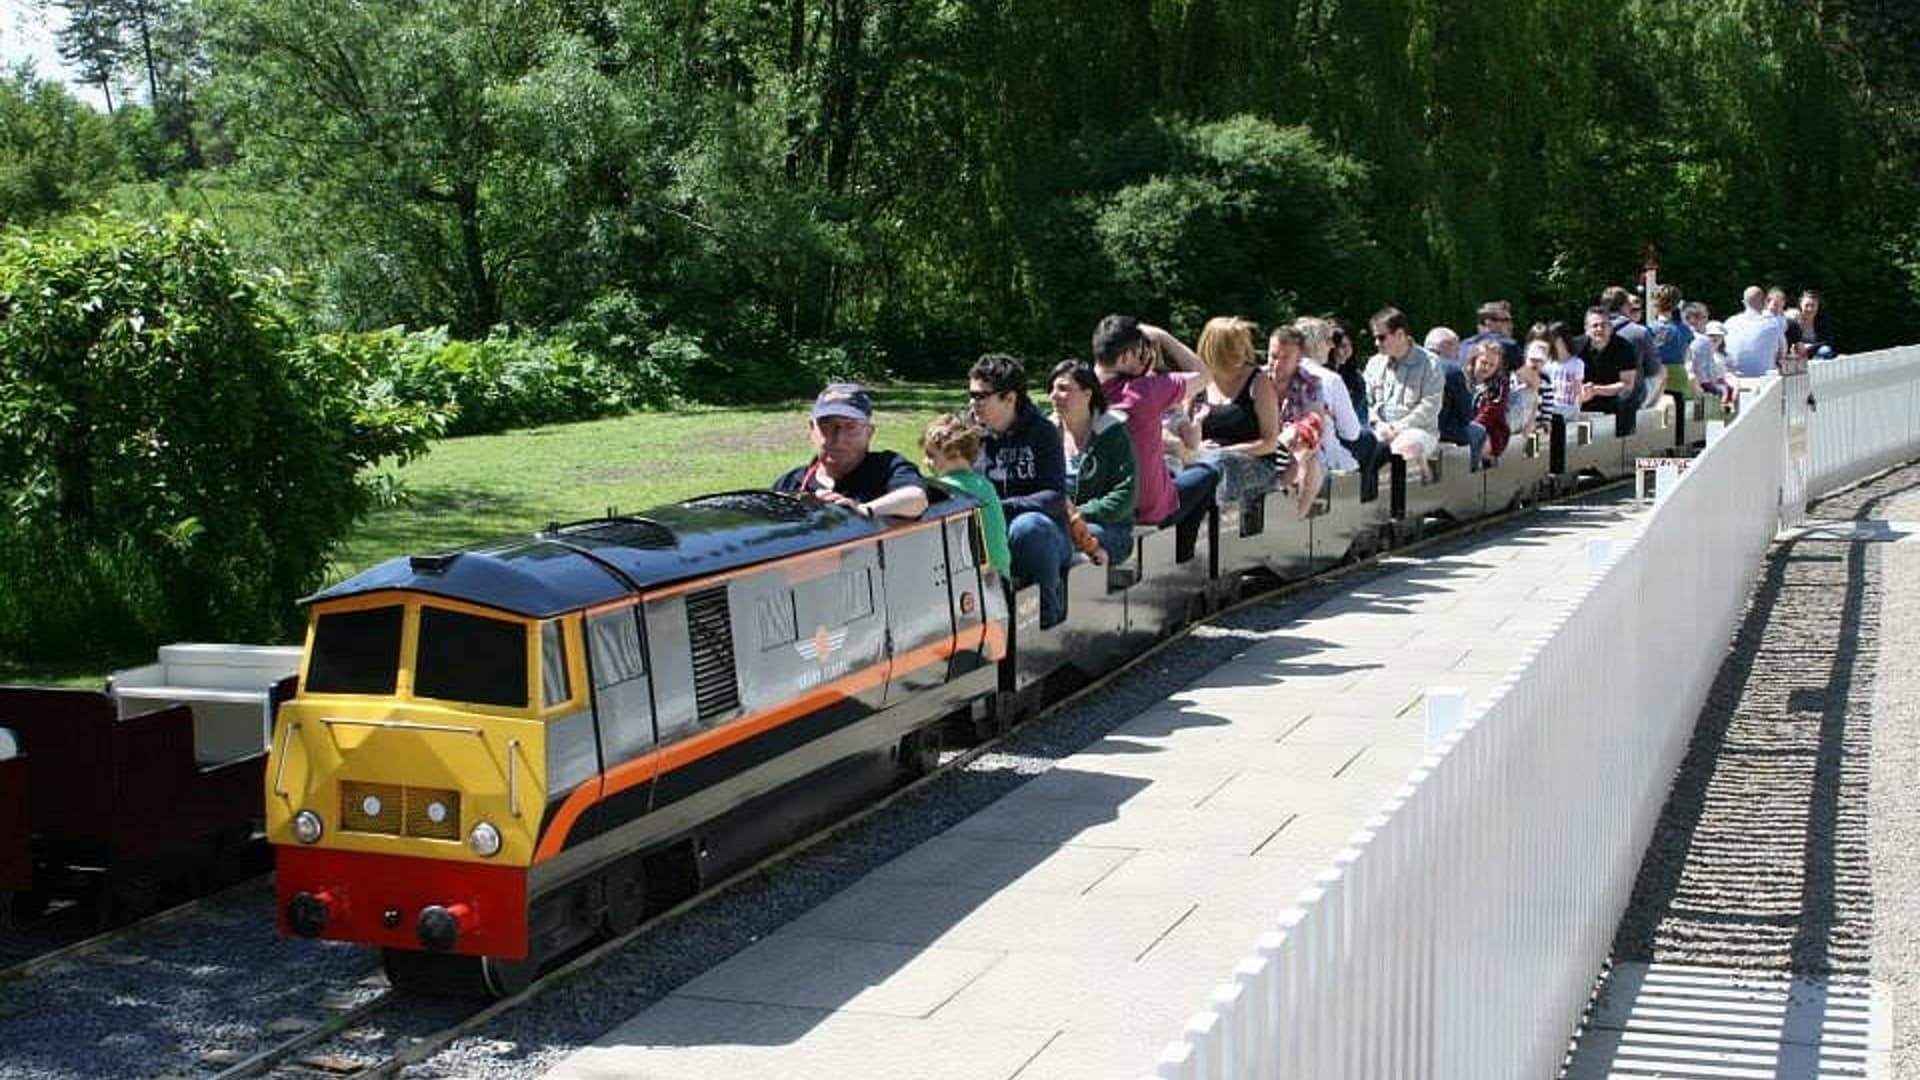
point(1866, 417)
point(1460, 932)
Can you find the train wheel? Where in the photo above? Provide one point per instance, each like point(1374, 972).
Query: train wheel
point(506, 978)
point(919, 752)
point(626, 898)
point(426, 974)
point(23, 909)
point(134, 892)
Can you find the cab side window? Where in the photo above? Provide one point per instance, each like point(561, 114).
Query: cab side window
point(619, 684)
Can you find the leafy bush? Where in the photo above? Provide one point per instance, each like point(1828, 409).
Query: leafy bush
point(55, 152)
point(1245, 205)
point(161, 425)
point(502, 381)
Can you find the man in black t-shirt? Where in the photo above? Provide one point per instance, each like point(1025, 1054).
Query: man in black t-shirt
point(1613, 372)
point(872, 483)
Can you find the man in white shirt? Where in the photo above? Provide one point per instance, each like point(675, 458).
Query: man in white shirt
point(1755, 339)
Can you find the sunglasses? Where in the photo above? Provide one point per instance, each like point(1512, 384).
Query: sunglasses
point(982, 395)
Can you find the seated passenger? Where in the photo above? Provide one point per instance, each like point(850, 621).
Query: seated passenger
point(1338, 358)
point(1304, 418)
point(1526, 389)
point(1612, 372)
point(1024, 461)
point(844, 471)
point(1101, 477)
point(1404, 385)
point(1124, 354)
point(1704, 369)
point(1315, 343)
point(1564, 374)
point(1239, 411)
point(1672, 340)
point(952, 445)
point(1623, 315)
point(1456, 398)
point(1487, 380)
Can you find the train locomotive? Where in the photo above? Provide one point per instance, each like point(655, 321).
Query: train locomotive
point(499, 753)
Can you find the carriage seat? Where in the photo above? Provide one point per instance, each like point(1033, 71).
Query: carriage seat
point(232, 690)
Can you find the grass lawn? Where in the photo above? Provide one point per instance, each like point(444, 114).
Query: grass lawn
point(487, 486)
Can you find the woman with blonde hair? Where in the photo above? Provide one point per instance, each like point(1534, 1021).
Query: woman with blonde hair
point(1238, 413)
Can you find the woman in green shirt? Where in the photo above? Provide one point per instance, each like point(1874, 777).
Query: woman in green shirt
point(1101, 479)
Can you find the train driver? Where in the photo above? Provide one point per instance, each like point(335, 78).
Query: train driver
point(872, 483)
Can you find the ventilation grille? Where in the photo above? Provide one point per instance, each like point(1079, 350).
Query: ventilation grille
point(716, 690)
point(371, 808)
point(771, 505)
point(394, 810)
point(433, 813)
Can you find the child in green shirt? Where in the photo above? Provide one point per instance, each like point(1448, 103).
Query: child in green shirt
point(952, 445)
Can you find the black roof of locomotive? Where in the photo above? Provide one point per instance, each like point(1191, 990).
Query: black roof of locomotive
point(567, 567)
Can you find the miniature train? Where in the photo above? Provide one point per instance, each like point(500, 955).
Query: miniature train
point(144, 792)
point(499, 753)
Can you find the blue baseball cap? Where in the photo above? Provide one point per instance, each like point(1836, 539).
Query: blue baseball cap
point(850, 400)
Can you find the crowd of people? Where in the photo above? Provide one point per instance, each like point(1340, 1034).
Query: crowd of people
point(1151, 432)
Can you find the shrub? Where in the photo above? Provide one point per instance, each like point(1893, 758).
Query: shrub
point(1245, 203)
point(160, 421)
point(499, 382)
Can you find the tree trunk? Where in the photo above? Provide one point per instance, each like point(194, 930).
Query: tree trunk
point(483, 301)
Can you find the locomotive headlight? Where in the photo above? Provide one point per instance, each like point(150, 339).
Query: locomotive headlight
point(484, 840)
point(307, 827)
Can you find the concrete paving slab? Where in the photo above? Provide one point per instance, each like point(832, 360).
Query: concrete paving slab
point(1005, 865)
point(691, 1039)
point(1260, 887)
point(1106, 996)
point(1138, 827)
point(1074, 1055)
point(832, 973)
point(900, 914)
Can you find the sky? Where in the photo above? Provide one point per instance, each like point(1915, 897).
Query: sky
point(26, 33)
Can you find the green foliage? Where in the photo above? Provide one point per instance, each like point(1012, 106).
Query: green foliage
point(70, 598)
point(1246, 218)
point(159, 419)
point(500, 382)
point(55, 153)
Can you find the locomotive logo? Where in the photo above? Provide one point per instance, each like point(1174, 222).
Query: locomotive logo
point(822, 645)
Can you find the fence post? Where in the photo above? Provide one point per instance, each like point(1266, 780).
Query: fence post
point(1599, 554)
point(1446, 708)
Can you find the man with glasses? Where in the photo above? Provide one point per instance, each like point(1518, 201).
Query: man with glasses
point(844, 470)
point(1496, 323)
point(1404, 389)
point(1023, 458)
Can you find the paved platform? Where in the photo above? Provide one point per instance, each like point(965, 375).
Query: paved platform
point(1071, 928)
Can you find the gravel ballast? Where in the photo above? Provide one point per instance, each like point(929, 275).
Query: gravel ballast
point(1786, 852)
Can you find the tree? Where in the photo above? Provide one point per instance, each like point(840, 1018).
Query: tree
point(91, 41)
point(55, 152)
point(155, 405)
point(391, 117)
point(156, 41)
